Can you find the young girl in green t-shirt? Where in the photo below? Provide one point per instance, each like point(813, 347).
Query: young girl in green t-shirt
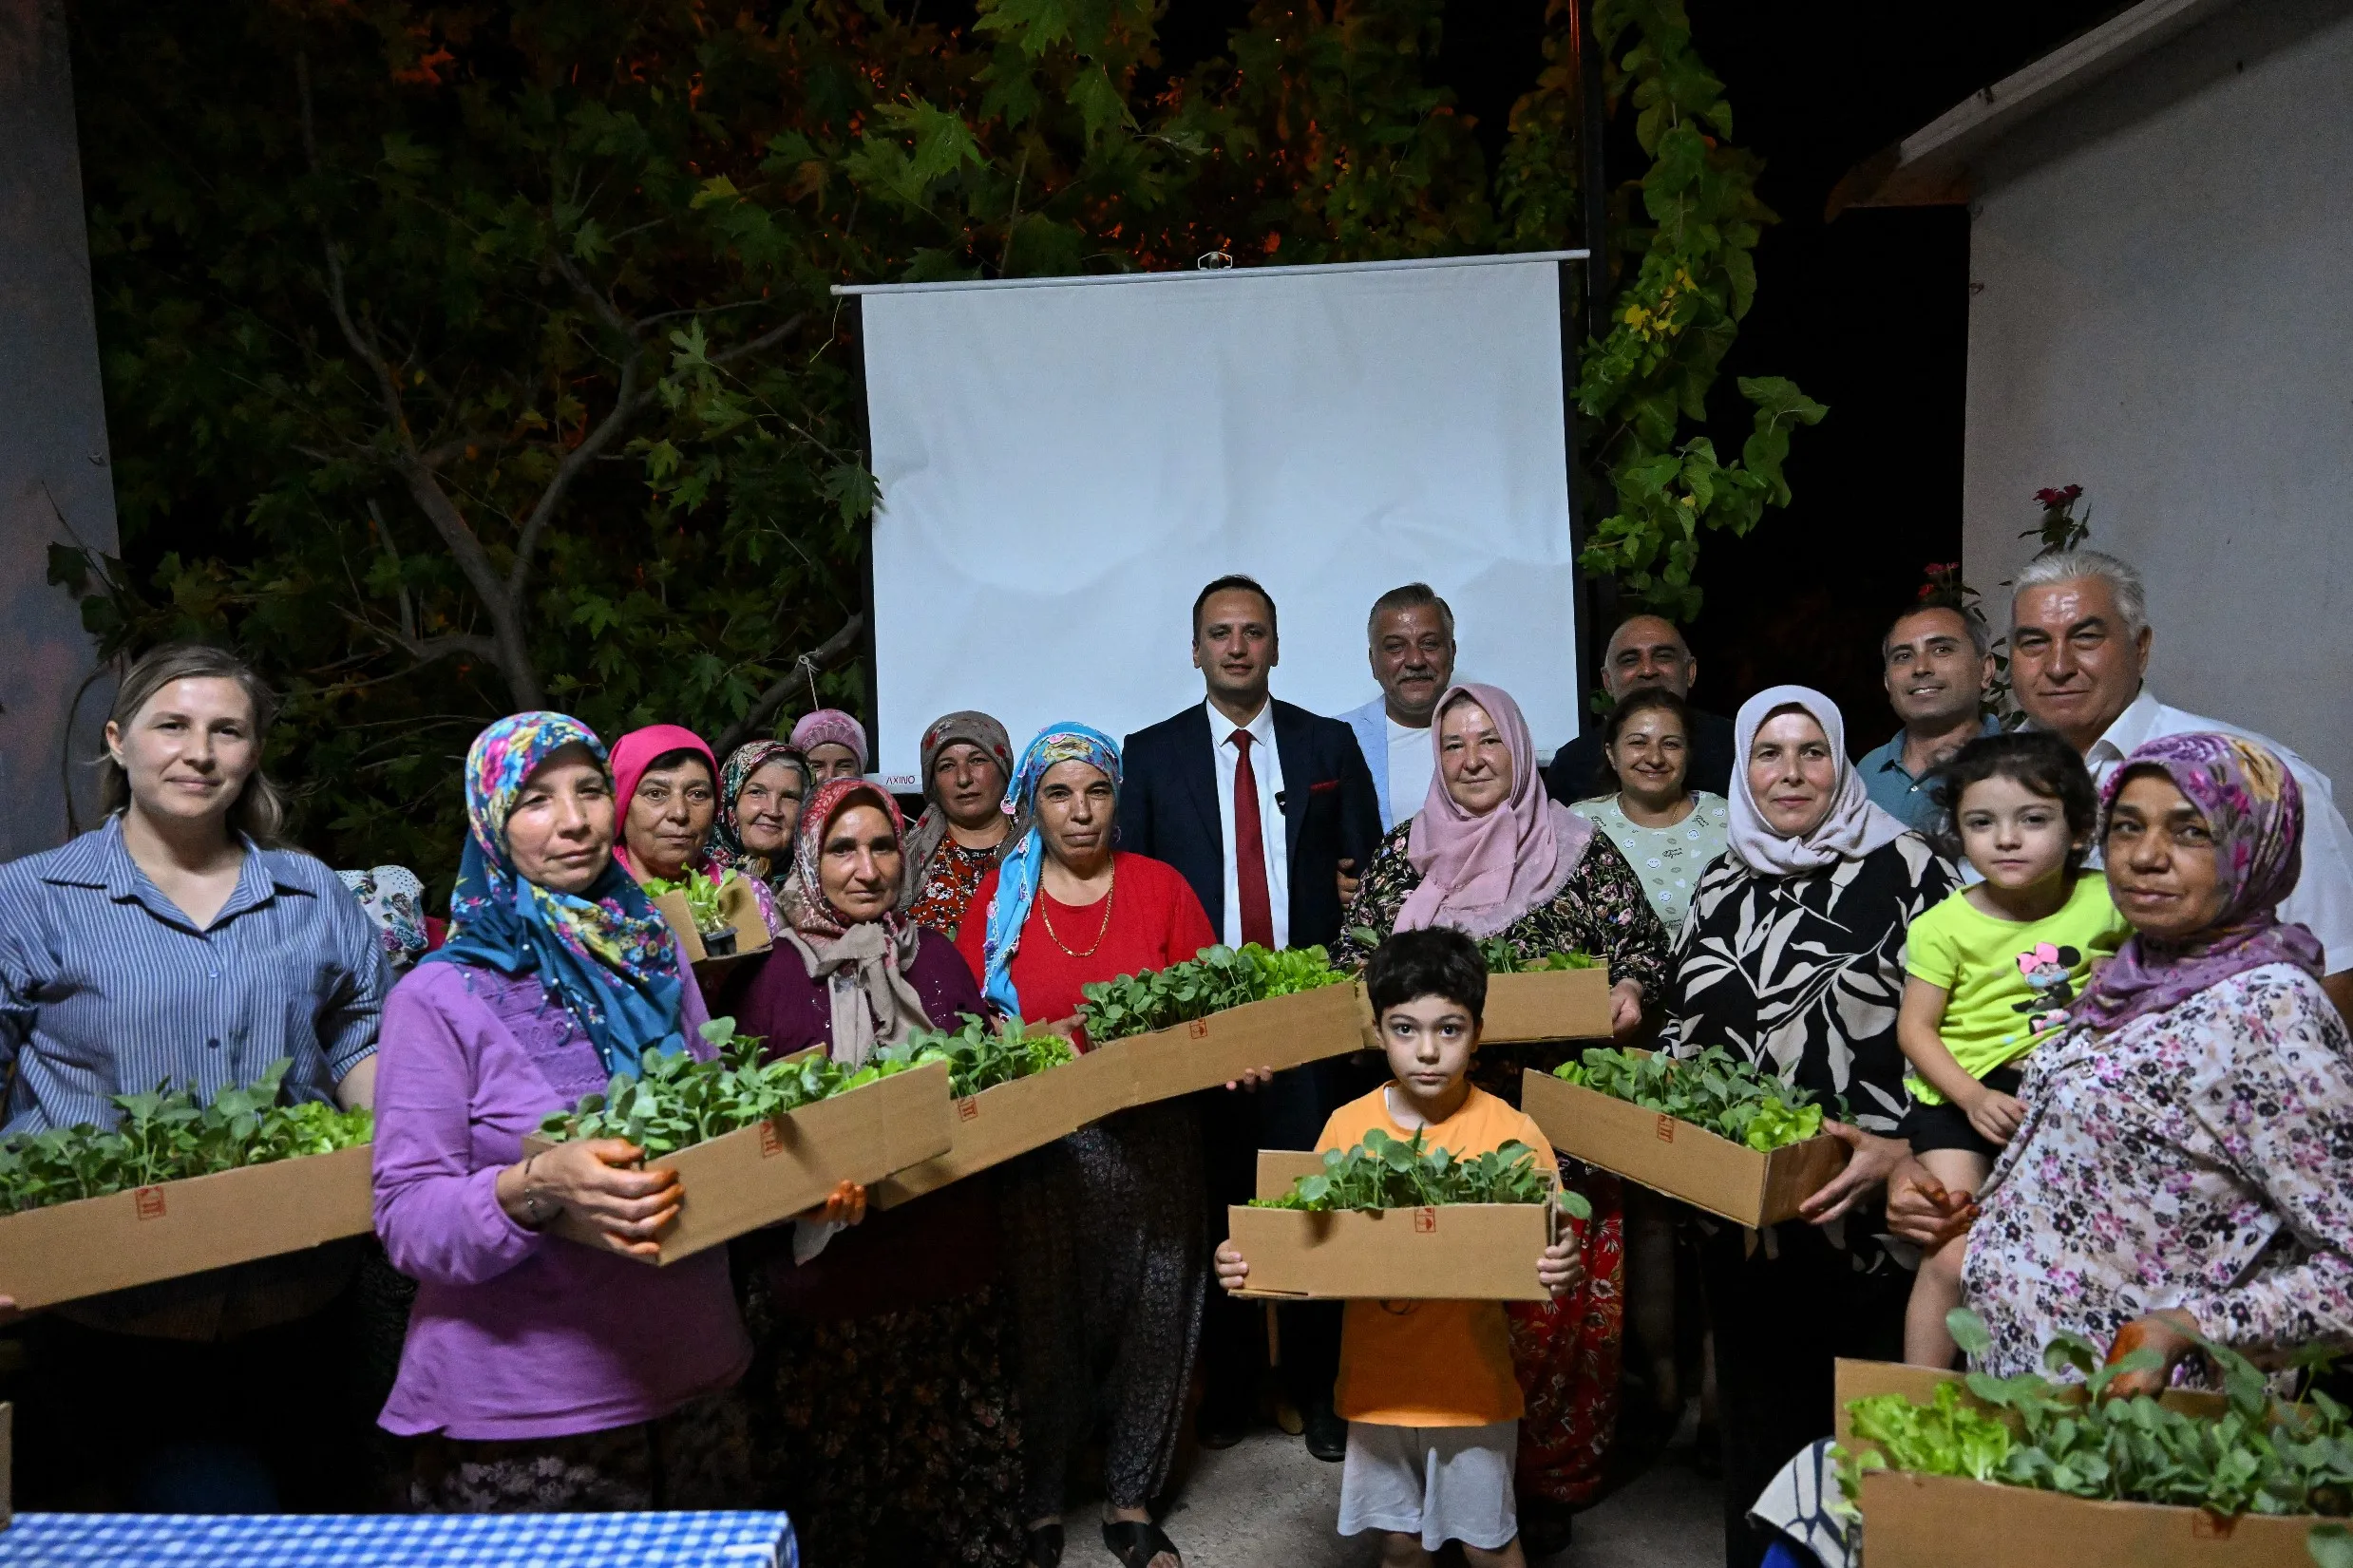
point(1991, 973)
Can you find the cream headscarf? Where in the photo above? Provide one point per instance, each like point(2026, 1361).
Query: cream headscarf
point(1852, 827)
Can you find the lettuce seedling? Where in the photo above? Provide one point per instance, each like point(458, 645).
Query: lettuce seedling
point(165, 1136)
point(1389, 1173)
point(704, 896)
point(1713, 1090)
point(2262, 1455)
point(1212, 980)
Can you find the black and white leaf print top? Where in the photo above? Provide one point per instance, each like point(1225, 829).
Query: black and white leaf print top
point(1803, 976)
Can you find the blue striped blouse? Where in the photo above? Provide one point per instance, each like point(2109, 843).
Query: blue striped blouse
point(107, 988)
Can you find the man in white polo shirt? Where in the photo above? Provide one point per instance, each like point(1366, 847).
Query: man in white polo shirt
point(2080, 642)
point(1409, 642)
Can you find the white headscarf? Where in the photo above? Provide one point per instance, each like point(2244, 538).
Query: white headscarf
point(1852, 828)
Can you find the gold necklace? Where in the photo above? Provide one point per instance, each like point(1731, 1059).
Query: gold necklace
point(1047, 920)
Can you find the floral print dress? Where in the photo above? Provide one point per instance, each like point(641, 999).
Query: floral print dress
point(1602, 910)
point(949, 883)
point(1565, 1352)
point(2199, 1157)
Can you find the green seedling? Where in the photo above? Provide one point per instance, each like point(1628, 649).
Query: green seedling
point(1389, 1173)
point(2261, 1455)
point(703, 894)
point(1213, 980)
point(1713, 1090)
point(678, 1101)
point(168, 1137)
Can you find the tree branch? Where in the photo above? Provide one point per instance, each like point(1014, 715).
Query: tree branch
point(509, 653)
point(766, 340)
point(764, 708)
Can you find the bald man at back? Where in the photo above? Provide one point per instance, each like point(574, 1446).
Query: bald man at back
point(1644, 651)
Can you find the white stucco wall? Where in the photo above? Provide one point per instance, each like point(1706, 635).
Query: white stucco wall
point(2162, 311)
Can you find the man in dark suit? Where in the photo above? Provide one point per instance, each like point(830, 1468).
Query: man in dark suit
point(1256, 803)
point(1644, 651)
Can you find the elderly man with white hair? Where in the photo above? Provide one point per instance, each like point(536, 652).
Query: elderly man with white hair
point(2079, 641)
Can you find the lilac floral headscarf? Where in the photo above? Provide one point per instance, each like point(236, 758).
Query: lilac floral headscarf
point(2255, 809)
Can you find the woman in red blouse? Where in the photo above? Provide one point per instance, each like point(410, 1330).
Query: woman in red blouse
point(1107, 1222)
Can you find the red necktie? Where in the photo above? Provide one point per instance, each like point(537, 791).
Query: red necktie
point(1258, 916)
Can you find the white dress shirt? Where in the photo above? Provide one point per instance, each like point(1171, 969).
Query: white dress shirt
point(1266, 767)
point(2322, 900)
point(1410, 764)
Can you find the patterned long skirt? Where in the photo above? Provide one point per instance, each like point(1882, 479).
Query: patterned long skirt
point(889, 1437)
point(1566, 1353)
point(697, 1457)
point(1103, 1231)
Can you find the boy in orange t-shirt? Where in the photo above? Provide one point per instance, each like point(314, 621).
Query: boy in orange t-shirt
point(1433, 1406)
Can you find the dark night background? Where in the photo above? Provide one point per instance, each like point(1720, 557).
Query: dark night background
point(1868, 315)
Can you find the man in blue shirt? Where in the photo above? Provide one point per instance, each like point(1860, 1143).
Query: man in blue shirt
point(1936, 663)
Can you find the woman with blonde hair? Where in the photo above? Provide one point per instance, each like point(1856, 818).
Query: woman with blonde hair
point(179, 943)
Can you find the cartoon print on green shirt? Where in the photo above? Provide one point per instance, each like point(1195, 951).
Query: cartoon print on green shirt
point(2046, 968)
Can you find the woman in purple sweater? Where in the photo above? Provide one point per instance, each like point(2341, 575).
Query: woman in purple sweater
point(881, 1392)
point(543, 1375)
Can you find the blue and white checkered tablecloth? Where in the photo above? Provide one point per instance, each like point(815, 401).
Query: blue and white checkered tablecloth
point(733, 1540)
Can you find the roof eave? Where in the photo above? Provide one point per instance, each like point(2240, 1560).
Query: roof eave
point(1936, 165)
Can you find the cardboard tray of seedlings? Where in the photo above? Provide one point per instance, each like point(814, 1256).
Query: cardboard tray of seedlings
point(743, 917)
point(1010, 1119)
point(1454, 1252)
point(1282, 1032)
point(139, 1237)
point(762, 1174)
point(1565, 1004)
point(1950, 1522)
point(1678, 1157)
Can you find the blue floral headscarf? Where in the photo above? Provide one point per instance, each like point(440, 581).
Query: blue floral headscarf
point(1019, 872)
point(605, 954)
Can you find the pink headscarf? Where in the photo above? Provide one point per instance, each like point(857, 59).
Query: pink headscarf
point(631, 755)
point(1479, 873)
point(1853, 826)
point(830, 726)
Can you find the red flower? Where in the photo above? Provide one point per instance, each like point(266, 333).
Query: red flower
point(2052, 501)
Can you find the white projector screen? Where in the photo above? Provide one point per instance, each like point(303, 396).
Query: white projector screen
point(1063, 465)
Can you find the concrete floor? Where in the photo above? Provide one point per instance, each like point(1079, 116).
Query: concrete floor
point(1266, 1502)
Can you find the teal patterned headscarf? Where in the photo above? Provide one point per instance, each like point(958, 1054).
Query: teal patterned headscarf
point(1019, 872)
point(605, 954)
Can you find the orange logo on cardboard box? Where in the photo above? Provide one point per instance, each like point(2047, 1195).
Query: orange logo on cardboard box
point(1667, 1130)
point(149, 1203)
point(1198, 1028)
point(771, 1142)
point(1425, 1220)
point(968, 1108)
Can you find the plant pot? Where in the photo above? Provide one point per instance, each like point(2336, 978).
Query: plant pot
point(718, 944)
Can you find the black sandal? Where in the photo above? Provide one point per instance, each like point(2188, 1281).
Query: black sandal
point(1136, 1543)
point(1043, 1547)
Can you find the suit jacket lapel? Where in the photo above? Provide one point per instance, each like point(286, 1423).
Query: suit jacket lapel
point(1291, 749)
point(1197, 769)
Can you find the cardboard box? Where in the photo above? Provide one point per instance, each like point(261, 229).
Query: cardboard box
point(1282, 1032)
point(1459, 1252)
point(743, 915)
point(999, 1123)
point(1678, 1157)
point(1948, 1521)
point(1554, 1004)
point(1011, 1119)
point(767, 1173)
point(94, 1245)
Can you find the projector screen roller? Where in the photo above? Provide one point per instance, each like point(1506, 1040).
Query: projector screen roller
point(1064, 465)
